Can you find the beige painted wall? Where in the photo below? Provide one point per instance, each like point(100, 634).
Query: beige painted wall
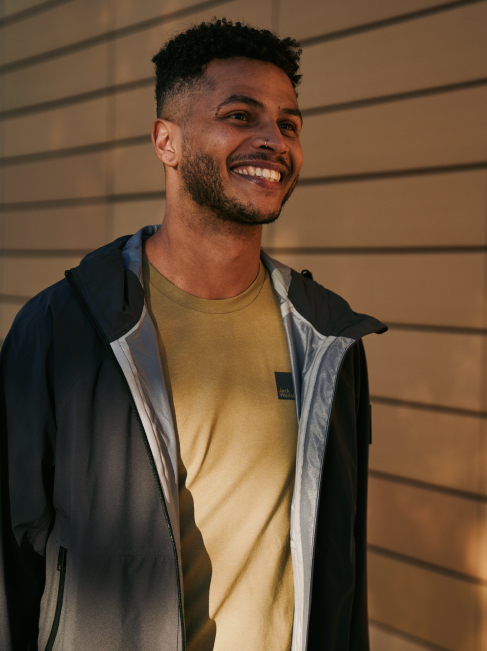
point(391, 212)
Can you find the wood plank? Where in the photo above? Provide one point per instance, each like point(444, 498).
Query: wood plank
point(444, 129)
point(442, 449)
point(28, 276)
point(69, 126)
point(57, 228)
point(431, 368)
point(64, 178)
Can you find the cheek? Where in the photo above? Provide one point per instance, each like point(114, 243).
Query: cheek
point(297, 157)
point(224, 141)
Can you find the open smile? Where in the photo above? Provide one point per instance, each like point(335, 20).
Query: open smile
point(261, 172)
point(265, 177)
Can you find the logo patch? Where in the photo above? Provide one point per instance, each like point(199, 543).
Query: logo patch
point(285, 388)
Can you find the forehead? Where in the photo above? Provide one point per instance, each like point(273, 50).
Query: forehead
point(261, 80)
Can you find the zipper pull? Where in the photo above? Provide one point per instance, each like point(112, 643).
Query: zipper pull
point(61, 559)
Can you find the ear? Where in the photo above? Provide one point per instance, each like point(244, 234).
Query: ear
point(166, 138)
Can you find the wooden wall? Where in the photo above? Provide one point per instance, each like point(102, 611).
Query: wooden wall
point(391, 212)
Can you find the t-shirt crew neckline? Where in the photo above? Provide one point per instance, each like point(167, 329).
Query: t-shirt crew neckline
point(210, 306)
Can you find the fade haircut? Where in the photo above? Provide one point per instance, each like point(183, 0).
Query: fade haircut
point(181, 63)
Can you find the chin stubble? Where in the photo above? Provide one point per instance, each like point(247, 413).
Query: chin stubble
point(202, 181)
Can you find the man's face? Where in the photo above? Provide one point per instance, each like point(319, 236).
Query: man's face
point(241, 153)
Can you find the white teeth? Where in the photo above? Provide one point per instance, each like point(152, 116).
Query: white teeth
point(269, 175)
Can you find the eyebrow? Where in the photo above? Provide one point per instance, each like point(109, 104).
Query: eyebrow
point(291, 111)
point(250, 101)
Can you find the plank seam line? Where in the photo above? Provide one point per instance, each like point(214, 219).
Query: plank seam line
point(76, 99)
point(440, 329)
point(15, 252)
point(428, 486)
point(376, 250)
point(428, 646)
point(80, 150)
point(13, 299)
point(413, 404)
point(44, 253)
point(392, 174)
point(425, 565)
point(394, 97)
point(83, 201)
point(40, 8)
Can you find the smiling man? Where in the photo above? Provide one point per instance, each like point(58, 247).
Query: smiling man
point(185, 421)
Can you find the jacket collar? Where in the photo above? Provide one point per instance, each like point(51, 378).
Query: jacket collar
point(327, 312)
point(110, 280)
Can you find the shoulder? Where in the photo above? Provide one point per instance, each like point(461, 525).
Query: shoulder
point(37, 313)
point(327, 312)
point(36, 324)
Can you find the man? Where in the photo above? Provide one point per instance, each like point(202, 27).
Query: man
point(185, 420)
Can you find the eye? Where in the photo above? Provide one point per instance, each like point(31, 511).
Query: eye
point(238, 115)
point(288, 126)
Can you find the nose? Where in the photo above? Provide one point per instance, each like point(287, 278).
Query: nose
point(271, 138)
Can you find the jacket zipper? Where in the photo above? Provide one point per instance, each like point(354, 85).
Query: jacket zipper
point(71, 282)
point(61, 566)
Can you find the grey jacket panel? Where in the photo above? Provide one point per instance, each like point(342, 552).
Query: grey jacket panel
point(66, 407)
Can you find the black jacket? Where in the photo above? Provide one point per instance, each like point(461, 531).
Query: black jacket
point(88, 476)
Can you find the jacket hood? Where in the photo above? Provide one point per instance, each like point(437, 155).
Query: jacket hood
point(112, 292)
point(328, 312)
point(110, 280)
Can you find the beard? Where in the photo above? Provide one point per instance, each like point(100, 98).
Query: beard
point(203, 182)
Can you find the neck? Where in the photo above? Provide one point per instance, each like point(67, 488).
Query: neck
point(203, 255)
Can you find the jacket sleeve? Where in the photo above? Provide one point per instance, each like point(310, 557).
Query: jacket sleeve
point(338, 617)
point(27, 433)
point(359, 624)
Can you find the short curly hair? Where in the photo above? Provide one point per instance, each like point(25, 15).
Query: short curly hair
point(183, 59)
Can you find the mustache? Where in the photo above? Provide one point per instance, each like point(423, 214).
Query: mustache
point(258, 156)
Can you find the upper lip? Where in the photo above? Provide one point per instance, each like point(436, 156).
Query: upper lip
point(263, 164)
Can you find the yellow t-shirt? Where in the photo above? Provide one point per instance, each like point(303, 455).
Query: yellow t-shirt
point(227, 366)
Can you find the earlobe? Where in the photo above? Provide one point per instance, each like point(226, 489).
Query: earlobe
point(164, 134)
